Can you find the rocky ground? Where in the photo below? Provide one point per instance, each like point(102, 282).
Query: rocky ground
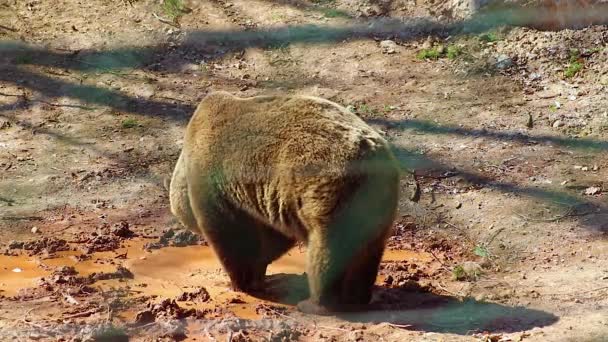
point(502, 135)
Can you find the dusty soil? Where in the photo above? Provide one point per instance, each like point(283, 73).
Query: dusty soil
point(504, 132)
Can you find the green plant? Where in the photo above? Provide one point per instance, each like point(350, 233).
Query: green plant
point(364, 109)
point(453, 51)
point(432, 53)
point(574, 64)
point(458, 273)
point(489, 37)
point(481, 251)
point(129, 123)
point(572, 69)
point(174, 8)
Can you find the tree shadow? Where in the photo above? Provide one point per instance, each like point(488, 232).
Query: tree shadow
point(420, 310)
point(591, 214)
point(213, 44)
point(586, 144)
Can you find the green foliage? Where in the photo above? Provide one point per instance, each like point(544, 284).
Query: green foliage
point(453, 51)
point(575, 65)
point(129, 123)
point(481, 251)
point(365, 109)
point(489, 37)
point(174, 8)
point(432, 53)
point(573, 69)
point(458, 273)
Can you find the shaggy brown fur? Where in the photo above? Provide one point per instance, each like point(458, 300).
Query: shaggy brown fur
point(258, 174)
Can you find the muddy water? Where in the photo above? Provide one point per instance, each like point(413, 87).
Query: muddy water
point(18, 272)
point(165, 273)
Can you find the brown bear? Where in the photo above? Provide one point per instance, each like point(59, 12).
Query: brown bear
point(258, 174)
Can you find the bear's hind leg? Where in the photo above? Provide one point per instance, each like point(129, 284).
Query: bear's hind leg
point(361, 275)
point(244, 245)
point(234, 236)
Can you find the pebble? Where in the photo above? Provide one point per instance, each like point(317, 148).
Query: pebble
point(388, 46)
point(503, 62)
point(35, 230)
point(558, 123)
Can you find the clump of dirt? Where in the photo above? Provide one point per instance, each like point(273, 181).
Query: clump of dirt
point(122, 230)
point(400, 272)
point(166, 310)
point(46, 246)
point(120, 273)
point(100, 243)
point(270, 311)
point(200, 295)
point(179, 238)
point(65, 279)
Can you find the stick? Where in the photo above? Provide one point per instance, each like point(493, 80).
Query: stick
point(165, 21)
point(81, 314)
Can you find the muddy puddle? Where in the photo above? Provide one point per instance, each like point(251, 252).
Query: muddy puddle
point(166, 273)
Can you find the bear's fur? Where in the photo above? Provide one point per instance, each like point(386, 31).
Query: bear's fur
point(258, 174)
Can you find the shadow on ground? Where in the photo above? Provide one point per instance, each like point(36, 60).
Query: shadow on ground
point(420, 310)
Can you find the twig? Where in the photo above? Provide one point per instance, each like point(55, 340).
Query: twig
point(489, 241)
point(449, 292)
point(446, 267)
point(281, 314)
point(333, 328)
point(165, 21)
point(8, 28)
point(401, 326)
point(568, 213)
point(81, 314)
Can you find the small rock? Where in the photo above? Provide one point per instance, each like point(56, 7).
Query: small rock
point(428, 43)
point(388, 46)
point(503, 62)
point(458, 205)
point(480, 297)
point(558, 123)
point(35, 230)
point(593, 190)
point(122, 230)
point(547, 94)
point(144, 317)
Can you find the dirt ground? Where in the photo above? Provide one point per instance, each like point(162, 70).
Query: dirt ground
point(503, 134)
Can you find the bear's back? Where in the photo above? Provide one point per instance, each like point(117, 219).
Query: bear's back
point(276, 156)
point(268, 131)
